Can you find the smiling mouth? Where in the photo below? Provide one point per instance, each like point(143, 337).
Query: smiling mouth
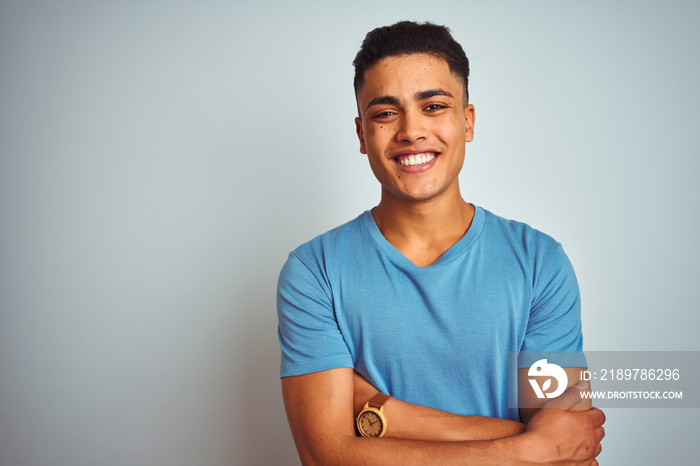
point(415, 159)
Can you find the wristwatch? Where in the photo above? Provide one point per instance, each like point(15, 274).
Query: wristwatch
point(371, 421)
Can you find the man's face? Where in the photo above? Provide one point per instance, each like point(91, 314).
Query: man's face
point(413, 126)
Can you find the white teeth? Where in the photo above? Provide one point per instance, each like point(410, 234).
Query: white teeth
point(418, 159)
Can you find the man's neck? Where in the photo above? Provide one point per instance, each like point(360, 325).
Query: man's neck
point(423, 231)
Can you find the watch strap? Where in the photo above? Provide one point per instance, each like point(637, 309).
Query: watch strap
point(378, 400)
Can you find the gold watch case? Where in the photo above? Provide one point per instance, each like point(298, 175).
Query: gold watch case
point(371, 421)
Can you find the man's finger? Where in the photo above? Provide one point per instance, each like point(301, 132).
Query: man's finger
point(570, 397)
point(598, 416)
point(599, 433)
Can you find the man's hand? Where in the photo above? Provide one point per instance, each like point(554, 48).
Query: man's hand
point(562, 434)
point(532, 404)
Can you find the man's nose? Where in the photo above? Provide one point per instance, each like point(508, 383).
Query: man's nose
point(412, 127)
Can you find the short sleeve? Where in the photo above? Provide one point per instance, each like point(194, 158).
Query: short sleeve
point(555, 313)
point(308, 331)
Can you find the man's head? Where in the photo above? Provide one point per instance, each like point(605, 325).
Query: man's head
point(406, 37)
point(414, 116)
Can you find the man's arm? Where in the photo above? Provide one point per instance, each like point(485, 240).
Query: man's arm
point(320, 412)
point(410, 421)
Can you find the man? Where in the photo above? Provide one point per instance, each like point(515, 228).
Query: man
point(422, 298)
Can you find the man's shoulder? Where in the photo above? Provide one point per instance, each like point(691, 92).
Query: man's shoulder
point(518, 233)
point(515, 227)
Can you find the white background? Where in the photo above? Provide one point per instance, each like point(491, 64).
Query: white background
point(158, 161)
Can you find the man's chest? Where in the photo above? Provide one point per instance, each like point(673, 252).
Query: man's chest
point(450, 313)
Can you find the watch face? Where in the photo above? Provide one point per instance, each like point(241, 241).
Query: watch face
point(370, 424)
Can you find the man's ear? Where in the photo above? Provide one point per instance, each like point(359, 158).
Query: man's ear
point(360, 136)
point(469, 118)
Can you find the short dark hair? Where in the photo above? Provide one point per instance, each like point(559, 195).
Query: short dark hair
point(407, 37)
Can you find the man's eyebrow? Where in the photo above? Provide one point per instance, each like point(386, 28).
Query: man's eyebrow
point(423, 95)
point(385, 99)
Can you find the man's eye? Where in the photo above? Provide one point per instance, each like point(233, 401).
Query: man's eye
point(434, 107)
point(384, 114)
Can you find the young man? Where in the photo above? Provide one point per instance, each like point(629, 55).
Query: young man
point(423, 297)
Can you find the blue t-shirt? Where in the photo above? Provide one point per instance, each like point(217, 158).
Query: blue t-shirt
point(439, 335)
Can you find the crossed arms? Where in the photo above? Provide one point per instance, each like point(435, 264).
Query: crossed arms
point(321, 409)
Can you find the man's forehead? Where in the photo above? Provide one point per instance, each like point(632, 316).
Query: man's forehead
point(425, 70)
point(415, 60)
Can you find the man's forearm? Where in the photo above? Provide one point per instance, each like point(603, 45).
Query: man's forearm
point(405, 452)
point(559, 436)
point(526, 449)
point(411, 421)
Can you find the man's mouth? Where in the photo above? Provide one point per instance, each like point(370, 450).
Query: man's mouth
point(415, 159)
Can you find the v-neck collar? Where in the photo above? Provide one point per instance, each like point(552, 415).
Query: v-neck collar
point(456, 250)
